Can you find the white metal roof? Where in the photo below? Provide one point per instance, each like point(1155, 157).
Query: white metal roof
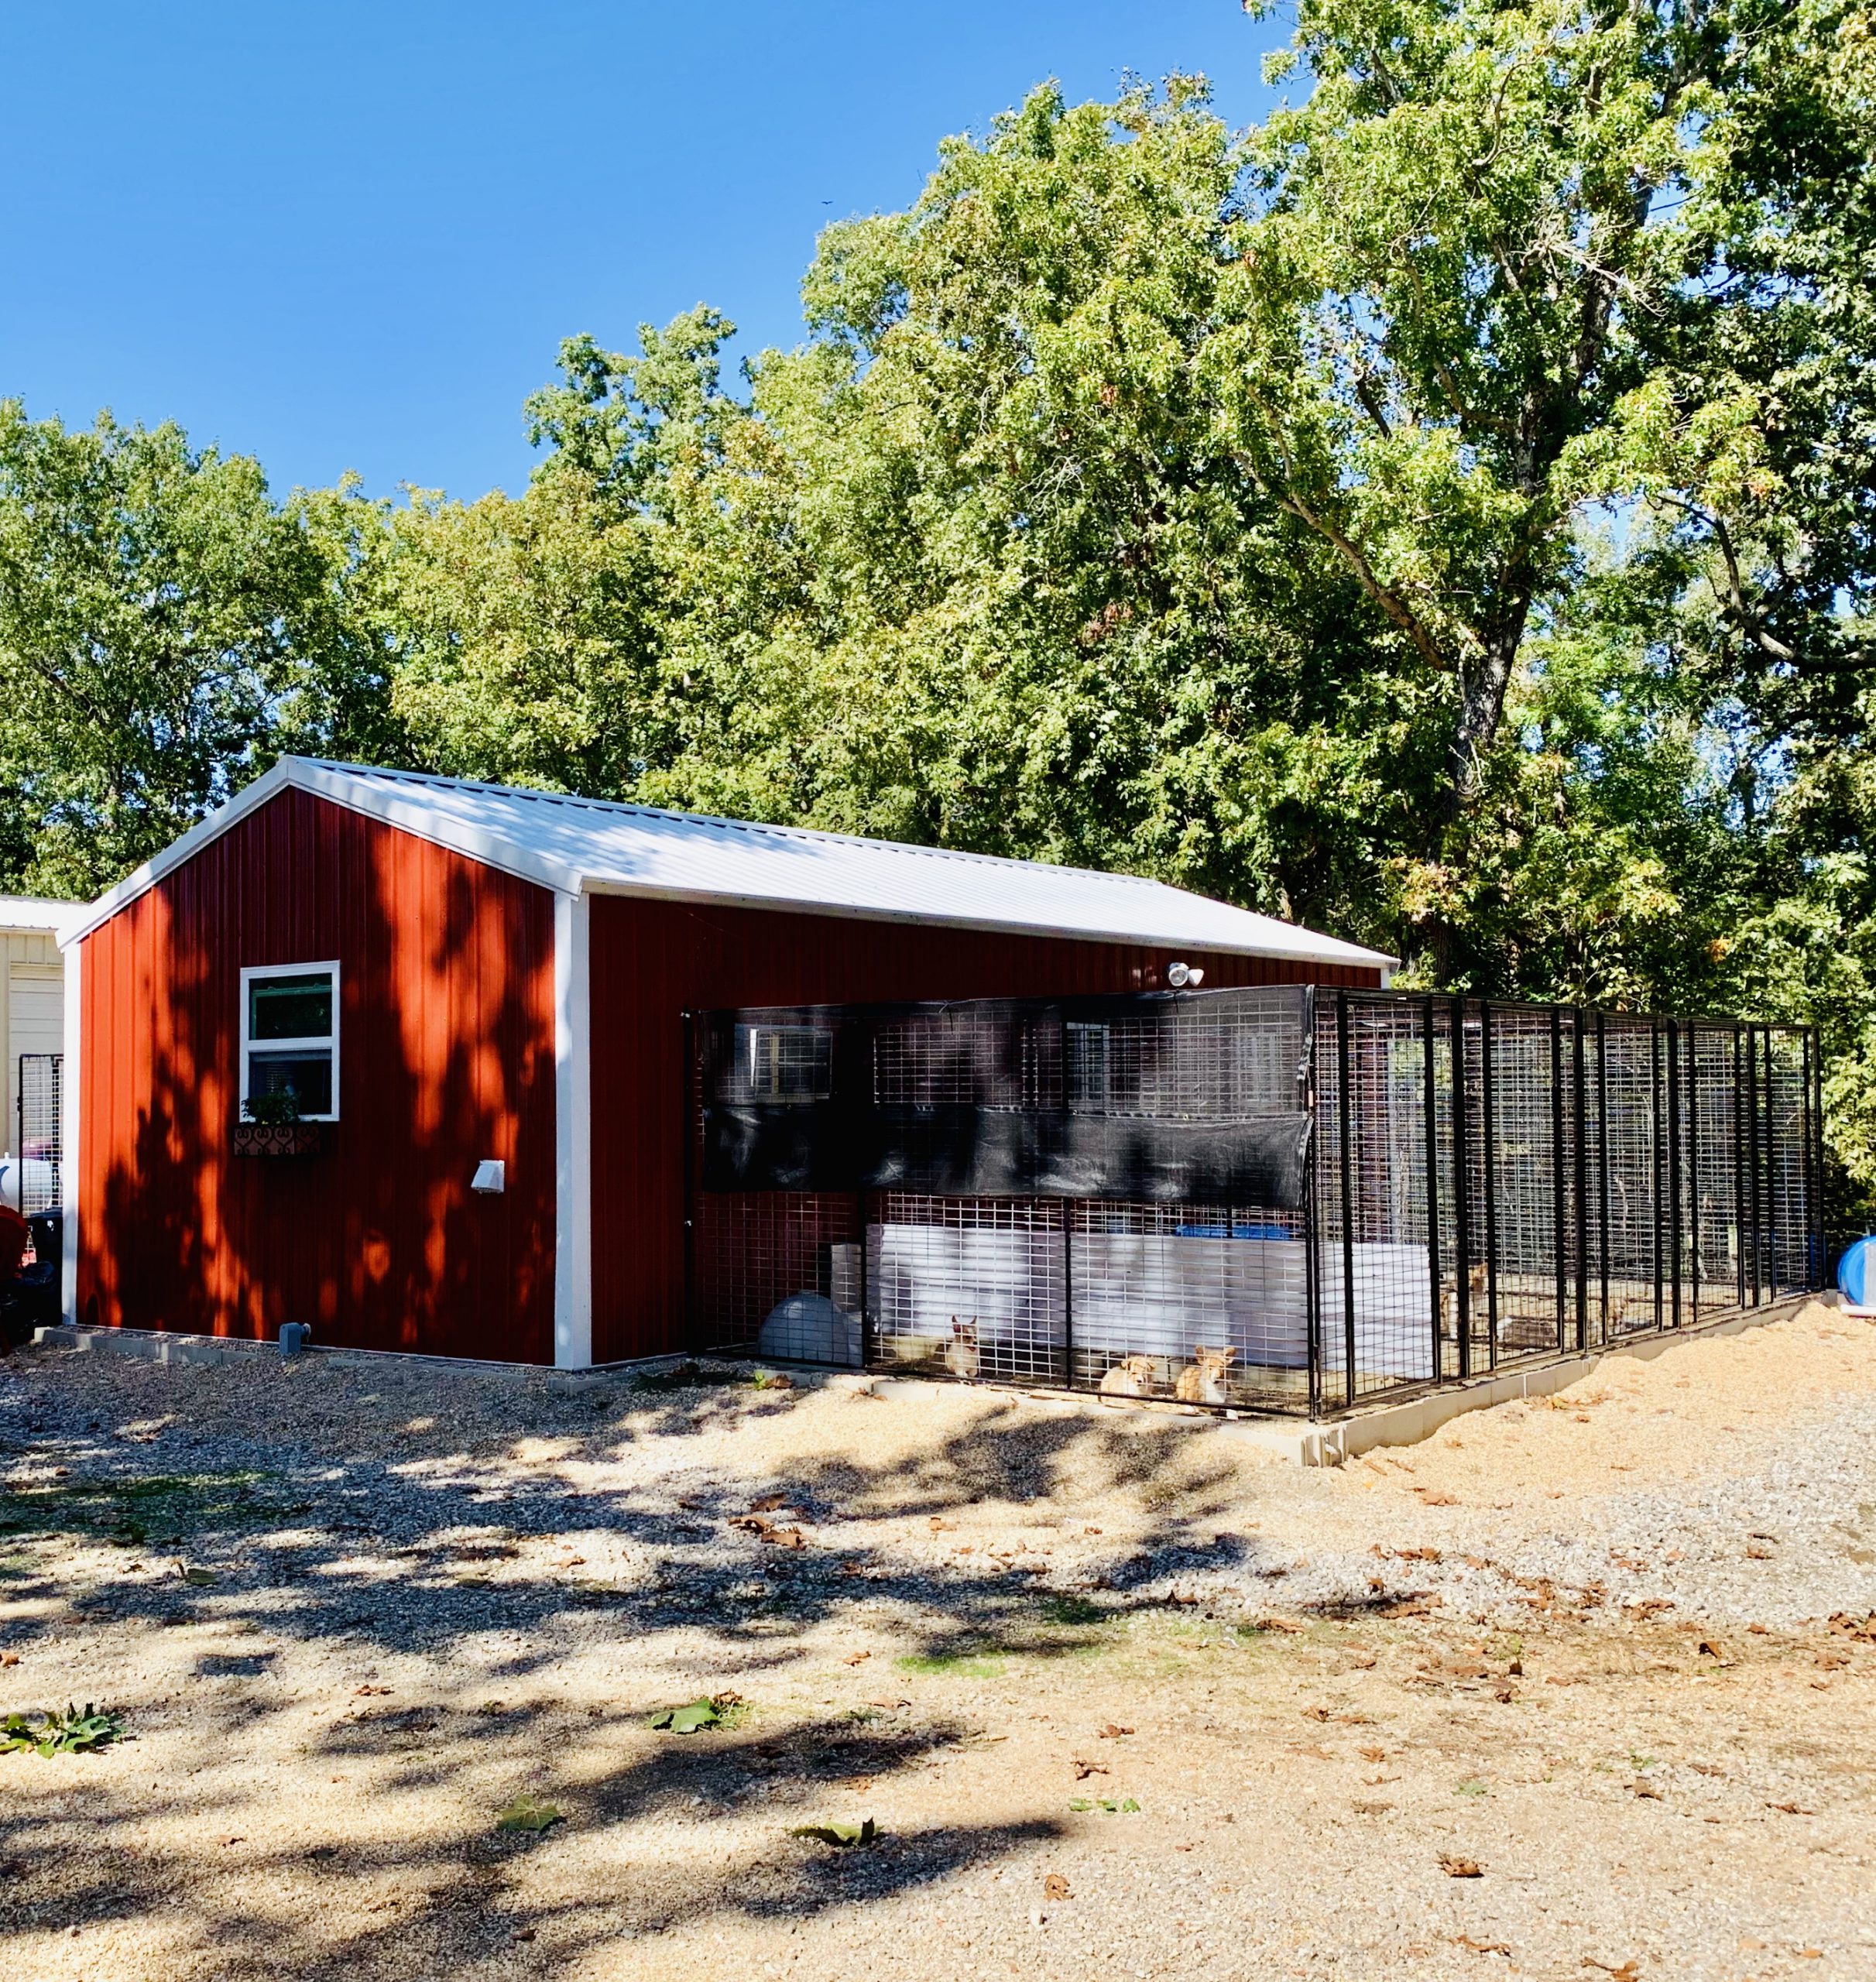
point(27, 912)
point(577, 845)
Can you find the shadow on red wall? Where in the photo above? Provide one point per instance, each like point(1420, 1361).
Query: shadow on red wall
point(446, 1057)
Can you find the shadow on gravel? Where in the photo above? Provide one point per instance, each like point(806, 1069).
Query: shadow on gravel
point(419, 1545)
point(452, 1903)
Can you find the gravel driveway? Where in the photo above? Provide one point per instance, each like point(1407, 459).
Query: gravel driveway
point(1121, 1694)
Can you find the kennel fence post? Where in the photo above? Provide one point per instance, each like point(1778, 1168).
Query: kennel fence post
point(1556, 1164)
point(1602, 1161)
point(1693, 1168)
point(1656, 1162)
point(1489, 1133)
point(1345, 1106)
point(1312, 1223)
point(1820, 1257)
point(1432, 1190)
point(1579, 1097)
point(1739, 1174)
point(868, 1346)
point(1673, 1068)
point(1462, 1235)
point(1068, 1291)
point(1751, 1152)
point(691, 1087)
point(1769, 1221)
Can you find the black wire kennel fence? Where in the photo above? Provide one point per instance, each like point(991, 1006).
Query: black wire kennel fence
point(1281, 1198)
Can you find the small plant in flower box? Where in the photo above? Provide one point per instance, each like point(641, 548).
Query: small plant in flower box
point(271, 1126)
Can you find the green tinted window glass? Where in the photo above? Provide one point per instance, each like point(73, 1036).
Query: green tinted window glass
point(290, 1007)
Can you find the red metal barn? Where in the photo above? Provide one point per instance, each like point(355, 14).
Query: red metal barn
point(467, 975)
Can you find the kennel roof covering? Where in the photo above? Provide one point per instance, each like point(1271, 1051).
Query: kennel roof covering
point(577, 845)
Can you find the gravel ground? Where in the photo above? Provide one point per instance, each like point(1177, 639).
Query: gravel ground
point(1617, 1650)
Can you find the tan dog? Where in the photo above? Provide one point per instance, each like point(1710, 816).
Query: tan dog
point(1204, 1380)
point(1132, 1377)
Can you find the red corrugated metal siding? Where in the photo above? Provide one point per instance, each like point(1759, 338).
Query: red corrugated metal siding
point(652, 960)
point(446, 1056)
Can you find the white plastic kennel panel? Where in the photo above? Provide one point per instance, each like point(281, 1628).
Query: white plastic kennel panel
point(1165, 1295)
point(1007, 1284)
point(1393, 1329)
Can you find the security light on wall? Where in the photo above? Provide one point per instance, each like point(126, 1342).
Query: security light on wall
point(1180, 975)
point(490, 1175)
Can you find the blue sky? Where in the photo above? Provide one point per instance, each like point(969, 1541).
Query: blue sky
point(340, 235)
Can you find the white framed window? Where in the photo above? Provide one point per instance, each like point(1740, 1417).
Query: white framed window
point(290, 1036)
point(787, 1062)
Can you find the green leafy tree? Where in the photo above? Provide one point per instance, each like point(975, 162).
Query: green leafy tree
point(155, 610)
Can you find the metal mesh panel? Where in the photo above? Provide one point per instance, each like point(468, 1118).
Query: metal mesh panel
point(41, 1085)
point(1377, 1275)
point(1792, 1260)
point(1416, 1190)
point(968, 1286)
point(1203, 1303)
point(777, 1272)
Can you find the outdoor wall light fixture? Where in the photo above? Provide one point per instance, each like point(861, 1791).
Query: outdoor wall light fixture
point(1180, 975)
point(490, 1175)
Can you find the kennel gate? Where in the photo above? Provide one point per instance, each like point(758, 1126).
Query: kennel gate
point(1324, 1197)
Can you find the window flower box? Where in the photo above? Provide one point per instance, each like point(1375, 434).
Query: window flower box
point(278, 1138)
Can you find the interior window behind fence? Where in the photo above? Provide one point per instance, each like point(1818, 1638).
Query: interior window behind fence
point(289, 1036)
point(787, 1062)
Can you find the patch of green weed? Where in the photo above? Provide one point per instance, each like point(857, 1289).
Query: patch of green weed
point(71, 1733)
point(963, 1663)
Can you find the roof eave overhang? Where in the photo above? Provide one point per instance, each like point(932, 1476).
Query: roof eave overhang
point(1348, 956)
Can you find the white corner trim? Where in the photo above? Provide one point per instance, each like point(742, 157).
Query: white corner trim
point(70, 1113)
point(573, 1136)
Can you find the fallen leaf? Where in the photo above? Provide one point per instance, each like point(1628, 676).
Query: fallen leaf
point(1316, 1714)
point(1647, 1789)
point(528, 1813)
point(1372, 1755)
point(1481, 1947)
point(1370, 1809)
point(1112, 1732)
point(1055, 1887)
point(1791, 1809)
point(1456, 1867)
point(687, 1720)
point(844, 1836)
point(1626, 1973)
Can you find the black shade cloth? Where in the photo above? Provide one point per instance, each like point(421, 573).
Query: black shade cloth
point(988, 1153)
